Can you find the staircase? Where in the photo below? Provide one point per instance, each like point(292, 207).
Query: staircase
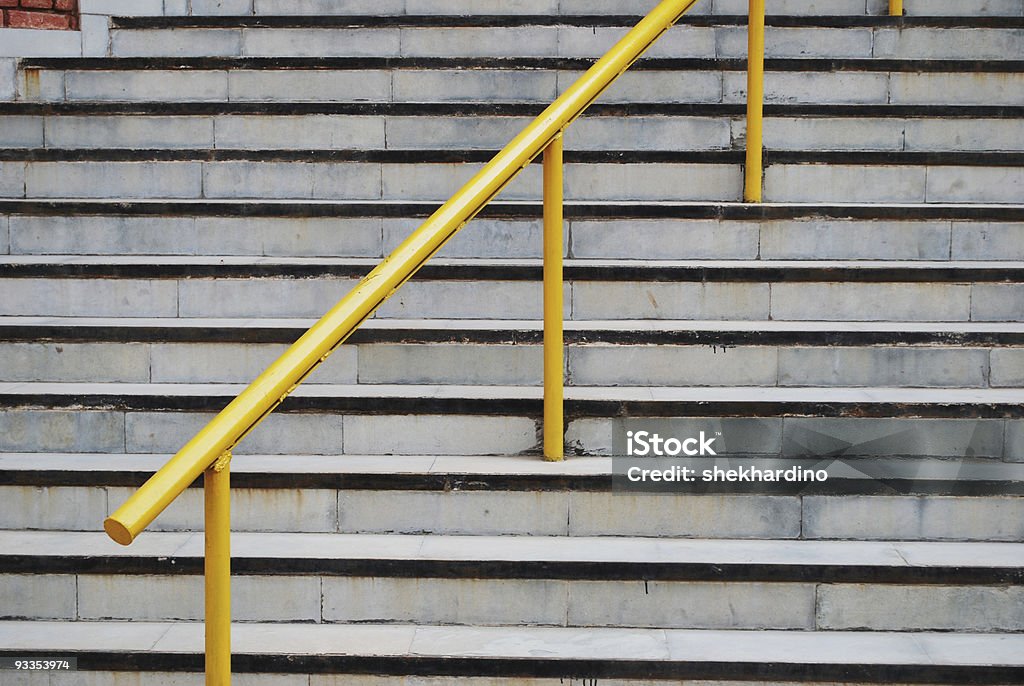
point(173, 215)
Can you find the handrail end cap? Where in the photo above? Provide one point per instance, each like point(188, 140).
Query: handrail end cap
point(117, 531)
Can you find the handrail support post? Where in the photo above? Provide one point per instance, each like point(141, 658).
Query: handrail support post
point(217, 500)
point(754, 170)
point(896, 8)
point(554, 364)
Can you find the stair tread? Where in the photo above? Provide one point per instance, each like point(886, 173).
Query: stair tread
point(796, 64)
point(680, 207)
point(29, 329)
point(7, 321)
point(787, 553)
point(550, 650)
point(495, 108)
point(648, 394)
point(514, 269)
point(98, 468)
point(535, 644)
point(639, 263)
point(379, 154)
point(527, 401)
point(581, 20)
point(99, 463)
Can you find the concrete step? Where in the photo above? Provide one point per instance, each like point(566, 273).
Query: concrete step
point(402, 126)
point(553, 581)
point(920, 498)
point(512, 230)
point(495, 353)
point(234, 287)
point(433, 175)
point(529, 80)
point(965, 8)
point(527, 269)
point(533, 652)
point(334, 419)
point(132, 330)
point(547, 36)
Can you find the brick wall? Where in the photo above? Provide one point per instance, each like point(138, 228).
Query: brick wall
point(39, 14)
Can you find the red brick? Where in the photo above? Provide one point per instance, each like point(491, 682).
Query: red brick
point(8, 3)
point(37, 4)
point(66, 5)
point(37, 20)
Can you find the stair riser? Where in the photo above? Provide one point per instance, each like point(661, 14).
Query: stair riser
point(591, 7)
point(328, 433)
point(546, 513)
point(566, 41)
point(673, 239)
point(435, 182)
point(516, 602)
point(474, 299)
point(197, 678)
point(345, 132)
point(496, 364)
point(121, 678)
point(537, 86)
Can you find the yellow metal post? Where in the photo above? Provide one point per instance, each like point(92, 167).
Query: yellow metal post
point(896, 8)
point(755, 101)
point(217, 495)
point(554, 443)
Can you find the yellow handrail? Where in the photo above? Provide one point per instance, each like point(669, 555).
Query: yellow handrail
point(264, 394)
point(288, 371)
point(209, 451)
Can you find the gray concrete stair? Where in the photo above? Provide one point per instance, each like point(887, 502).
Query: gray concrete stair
point(471, 126)
point(233, 287)
point(173, 216)
point(917, 499)
point(966, 8)
point(567, 36)
point(509, 352)
point(641, 230)
point(547, 581)
point(334, 419)
point(433, 175)
point(398, 650)
point(531, 80)
point(511, 331)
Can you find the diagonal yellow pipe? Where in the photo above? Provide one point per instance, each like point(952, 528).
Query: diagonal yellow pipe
point(288, 371)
